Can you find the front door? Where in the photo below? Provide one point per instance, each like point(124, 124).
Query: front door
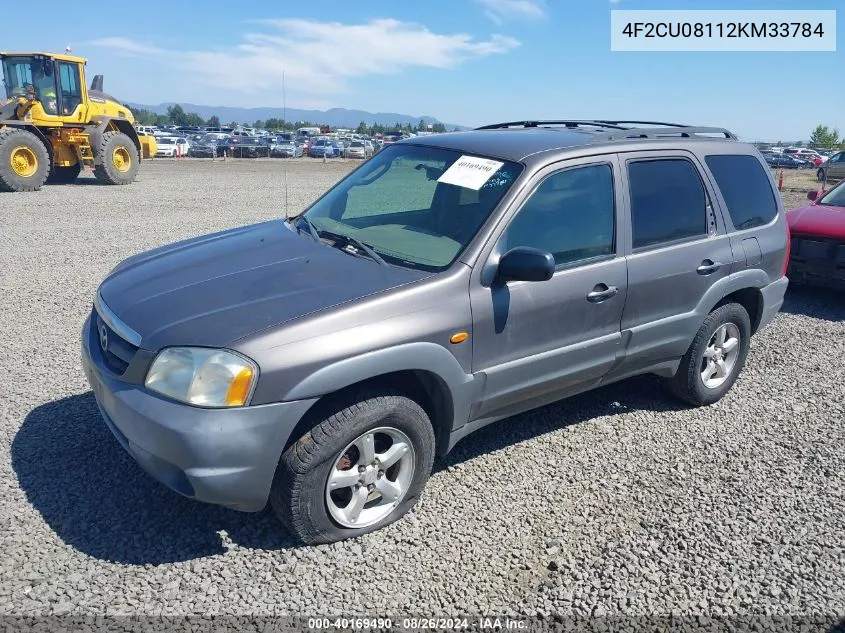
point(538, 341)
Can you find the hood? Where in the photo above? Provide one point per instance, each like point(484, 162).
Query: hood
point(818, 219)
point(215, 289)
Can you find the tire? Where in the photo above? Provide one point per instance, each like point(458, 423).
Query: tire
point(820, 175)
point(301, 494)
point(24, 161)
point(113, 170)
point(688, 383)
point(64, 175)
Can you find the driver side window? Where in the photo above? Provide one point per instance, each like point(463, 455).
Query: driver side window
point(570, 215)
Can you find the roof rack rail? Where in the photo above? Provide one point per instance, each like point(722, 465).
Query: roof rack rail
point(654, 123)
point(620, 130)
point(683, 131)
point(570, 123)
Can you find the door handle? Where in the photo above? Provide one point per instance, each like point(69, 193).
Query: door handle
point(708, 267)
point(602, 292)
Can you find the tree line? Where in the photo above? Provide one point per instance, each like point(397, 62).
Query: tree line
point(176, 115)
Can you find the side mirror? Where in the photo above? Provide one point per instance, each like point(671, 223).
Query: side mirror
point(526, 264)
point(812, 195)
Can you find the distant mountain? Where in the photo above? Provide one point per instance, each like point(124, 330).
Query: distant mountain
point(336, 117)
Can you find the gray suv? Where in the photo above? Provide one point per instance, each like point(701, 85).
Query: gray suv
point(321, 362)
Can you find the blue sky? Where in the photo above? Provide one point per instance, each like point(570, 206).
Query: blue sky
point(467, 62)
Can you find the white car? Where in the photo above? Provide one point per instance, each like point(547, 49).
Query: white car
point(170, 146)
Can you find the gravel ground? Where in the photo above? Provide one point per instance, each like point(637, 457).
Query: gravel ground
point(616, 502)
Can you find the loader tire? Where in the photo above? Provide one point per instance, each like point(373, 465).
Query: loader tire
point(24, 161)
point(64, 175)
point(118, 159)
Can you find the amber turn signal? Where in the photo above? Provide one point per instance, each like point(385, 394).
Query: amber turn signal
point(239, 389)
point(460, 337)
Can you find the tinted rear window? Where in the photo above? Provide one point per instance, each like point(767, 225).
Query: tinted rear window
point(745, 188)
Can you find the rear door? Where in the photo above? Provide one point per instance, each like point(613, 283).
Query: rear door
point(678, 249)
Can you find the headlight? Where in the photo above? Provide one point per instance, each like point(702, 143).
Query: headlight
point(203, 377)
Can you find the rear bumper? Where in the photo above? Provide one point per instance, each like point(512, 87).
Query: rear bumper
point(773, 295)
point(226, 457)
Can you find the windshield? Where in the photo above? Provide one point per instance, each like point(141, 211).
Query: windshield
point(835, 197)
point(396, 204)
point(29, 75)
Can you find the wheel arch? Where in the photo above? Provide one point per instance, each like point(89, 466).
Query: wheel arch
point(749, 298)
point(745, 288)
point(424, 372)
point(101, 125)
point(22, 125)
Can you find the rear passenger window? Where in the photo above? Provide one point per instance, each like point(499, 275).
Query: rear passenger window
point(668, 201)
point(745, 188)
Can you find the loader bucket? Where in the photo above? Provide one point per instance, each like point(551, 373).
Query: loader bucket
point(148, 146)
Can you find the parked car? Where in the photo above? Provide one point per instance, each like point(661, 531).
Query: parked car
point(321, 362)
point(209, 146)
point(786, 161)
point(251, 147)
point(305, 142)
point(358, 149)
point(169, 146)
point(323, 148)
point(806, 154)
point(286, 149)
point(817, 253)
point(833, 169)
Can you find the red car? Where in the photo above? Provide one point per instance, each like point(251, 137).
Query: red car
point(817, 253)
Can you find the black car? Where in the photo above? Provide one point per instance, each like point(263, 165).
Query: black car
point(209, 146)
point(249, 147)
point(785, 160)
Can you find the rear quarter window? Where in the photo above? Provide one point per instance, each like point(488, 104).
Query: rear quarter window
point(746, 188)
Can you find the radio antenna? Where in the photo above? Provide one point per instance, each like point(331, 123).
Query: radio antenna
point(284, 129)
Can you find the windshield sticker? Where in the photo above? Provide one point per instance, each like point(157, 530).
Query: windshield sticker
point(470, 172)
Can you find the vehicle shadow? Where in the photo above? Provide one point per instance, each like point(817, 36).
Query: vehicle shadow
point(816, 302)
point(99, 501)
point(641, 393)
point(95, 497)
point(81, 181)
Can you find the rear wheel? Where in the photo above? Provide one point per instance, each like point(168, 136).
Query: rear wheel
point(360, 468)
point(24, 161)
point(119, 160)
point(712, 364)
point(820, 175)
point(64, 175)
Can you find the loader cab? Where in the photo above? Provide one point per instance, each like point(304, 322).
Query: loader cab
point(56, 82)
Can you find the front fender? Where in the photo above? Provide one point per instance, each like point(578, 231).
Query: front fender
point(418, 356)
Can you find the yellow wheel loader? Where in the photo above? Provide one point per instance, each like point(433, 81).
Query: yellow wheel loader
point(51, 125)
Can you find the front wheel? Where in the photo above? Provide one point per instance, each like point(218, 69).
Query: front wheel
point(358, 469)
point(24, 162)
point(712, 363)
point(820, 175)
point(119, 159)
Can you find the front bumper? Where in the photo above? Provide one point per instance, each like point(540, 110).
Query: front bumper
point(222, 456)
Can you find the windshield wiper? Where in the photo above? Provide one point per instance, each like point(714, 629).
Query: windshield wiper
point(355, 243)
point(312, 230)
point(359, 245)
point(347, 240)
